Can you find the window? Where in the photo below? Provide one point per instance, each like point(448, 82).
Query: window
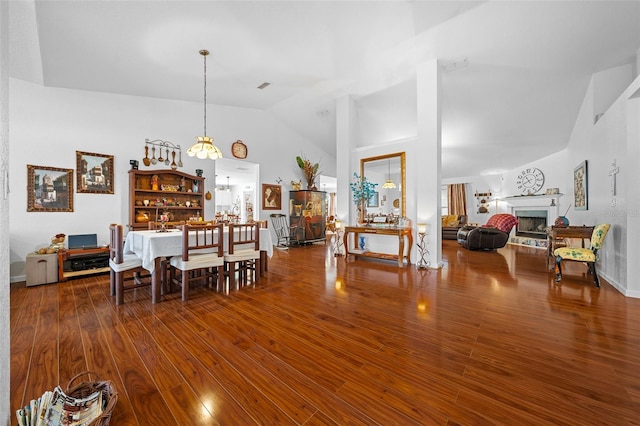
point(444, 201)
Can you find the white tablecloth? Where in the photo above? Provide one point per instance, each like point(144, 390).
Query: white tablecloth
point(149, 245)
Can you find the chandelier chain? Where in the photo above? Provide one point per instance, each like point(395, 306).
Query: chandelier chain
point(204, 53)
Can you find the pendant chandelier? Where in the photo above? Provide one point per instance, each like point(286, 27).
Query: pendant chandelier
point(389, 183)
point(222, 187)
point(204, 147)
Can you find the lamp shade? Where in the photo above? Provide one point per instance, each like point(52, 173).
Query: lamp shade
point(389, 184)
point(422, 228)
point(204, 147)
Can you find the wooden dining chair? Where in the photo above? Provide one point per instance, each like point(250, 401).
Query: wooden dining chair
point(202, 258)
point(264, 259)
point(124, 267)
point(242, 257)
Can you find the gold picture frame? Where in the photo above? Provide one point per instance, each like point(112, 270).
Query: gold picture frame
point(49, 189)
point(94, 173)
point(271, 197)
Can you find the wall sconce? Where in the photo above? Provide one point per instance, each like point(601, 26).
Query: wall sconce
point(338, 244)
point(423, 263)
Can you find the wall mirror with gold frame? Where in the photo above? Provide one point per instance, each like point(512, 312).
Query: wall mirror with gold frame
point(388, 171)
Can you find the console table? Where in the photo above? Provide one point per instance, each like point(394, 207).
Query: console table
point(557, 235)
point(400, 233)
point(78, 262)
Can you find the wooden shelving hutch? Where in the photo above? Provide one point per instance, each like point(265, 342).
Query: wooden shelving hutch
point(174, 188)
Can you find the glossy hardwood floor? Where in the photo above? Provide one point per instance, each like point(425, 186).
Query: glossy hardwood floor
point(488, 339)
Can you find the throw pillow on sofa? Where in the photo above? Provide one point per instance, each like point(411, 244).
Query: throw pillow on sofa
point(502, 221)
point(450, 220)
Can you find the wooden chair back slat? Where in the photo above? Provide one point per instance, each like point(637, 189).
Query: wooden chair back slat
point(198, 237)
point(116, 243)
point(241, 234)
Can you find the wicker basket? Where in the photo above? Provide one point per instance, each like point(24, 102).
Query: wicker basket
point(86, 388)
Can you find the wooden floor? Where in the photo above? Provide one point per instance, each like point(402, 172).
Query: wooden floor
point(488, 339)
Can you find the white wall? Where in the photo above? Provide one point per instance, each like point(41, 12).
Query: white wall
point(556, 168)
point(479, 184)
point(613, 138)
point(5, 410)
point(48, 125)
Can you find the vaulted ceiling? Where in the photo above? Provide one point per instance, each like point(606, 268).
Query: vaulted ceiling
point(514, 73)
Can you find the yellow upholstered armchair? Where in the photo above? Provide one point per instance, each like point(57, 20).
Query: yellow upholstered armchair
point(586, 255)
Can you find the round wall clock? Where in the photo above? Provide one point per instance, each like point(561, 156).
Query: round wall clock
point(239, 149)
point(530, 181)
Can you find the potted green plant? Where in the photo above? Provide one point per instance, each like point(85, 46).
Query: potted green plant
point(309, 170)
point(362, 190)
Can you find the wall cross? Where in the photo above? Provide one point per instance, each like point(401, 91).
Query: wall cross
point(613, 172)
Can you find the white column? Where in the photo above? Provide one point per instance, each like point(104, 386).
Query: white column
point(344, 146)
point(5, 410)
point(427, 162)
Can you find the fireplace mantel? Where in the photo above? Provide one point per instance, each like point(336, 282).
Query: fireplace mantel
point(534, 201)
point(532, 197)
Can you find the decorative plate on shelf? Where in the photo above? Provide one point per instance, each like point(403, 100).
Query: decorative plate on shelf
point(396, 203)
point(170, 188)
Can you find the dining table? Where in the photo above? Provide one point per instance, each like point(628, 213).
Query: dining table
point(152, 246)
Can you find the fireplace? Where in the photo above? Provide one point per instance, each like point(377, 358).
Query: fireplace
point(534, 213)
point(531, 223)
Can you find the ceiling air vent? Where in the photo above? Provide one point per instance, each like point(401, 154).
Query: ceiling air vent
point(263, 85)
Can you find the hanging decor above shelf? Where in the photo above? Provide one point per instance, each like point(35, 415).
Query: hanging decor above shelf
point(163, 148)
point(483, 199)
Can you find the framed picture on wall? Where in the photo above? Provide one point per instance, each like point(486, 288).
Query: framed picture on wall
point(374, 200)
point(581, 187)
point(94, 173)
point(49, 189)
point(271, 197)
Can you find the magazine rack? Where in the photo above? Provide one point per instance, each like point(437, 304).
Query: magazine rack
point(88, 403)
point(85, 389)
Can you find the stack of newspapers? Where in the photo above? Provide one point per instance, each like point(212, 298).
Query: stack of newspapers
point(57, 408)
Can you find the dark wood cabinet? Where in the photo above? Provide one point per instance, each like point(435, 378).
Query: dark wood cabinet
point(180, 194)
point(308, 215)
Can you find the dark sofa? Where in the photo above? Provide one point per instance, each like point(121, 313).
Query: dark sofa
point(493, 235)
point(451, 224)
